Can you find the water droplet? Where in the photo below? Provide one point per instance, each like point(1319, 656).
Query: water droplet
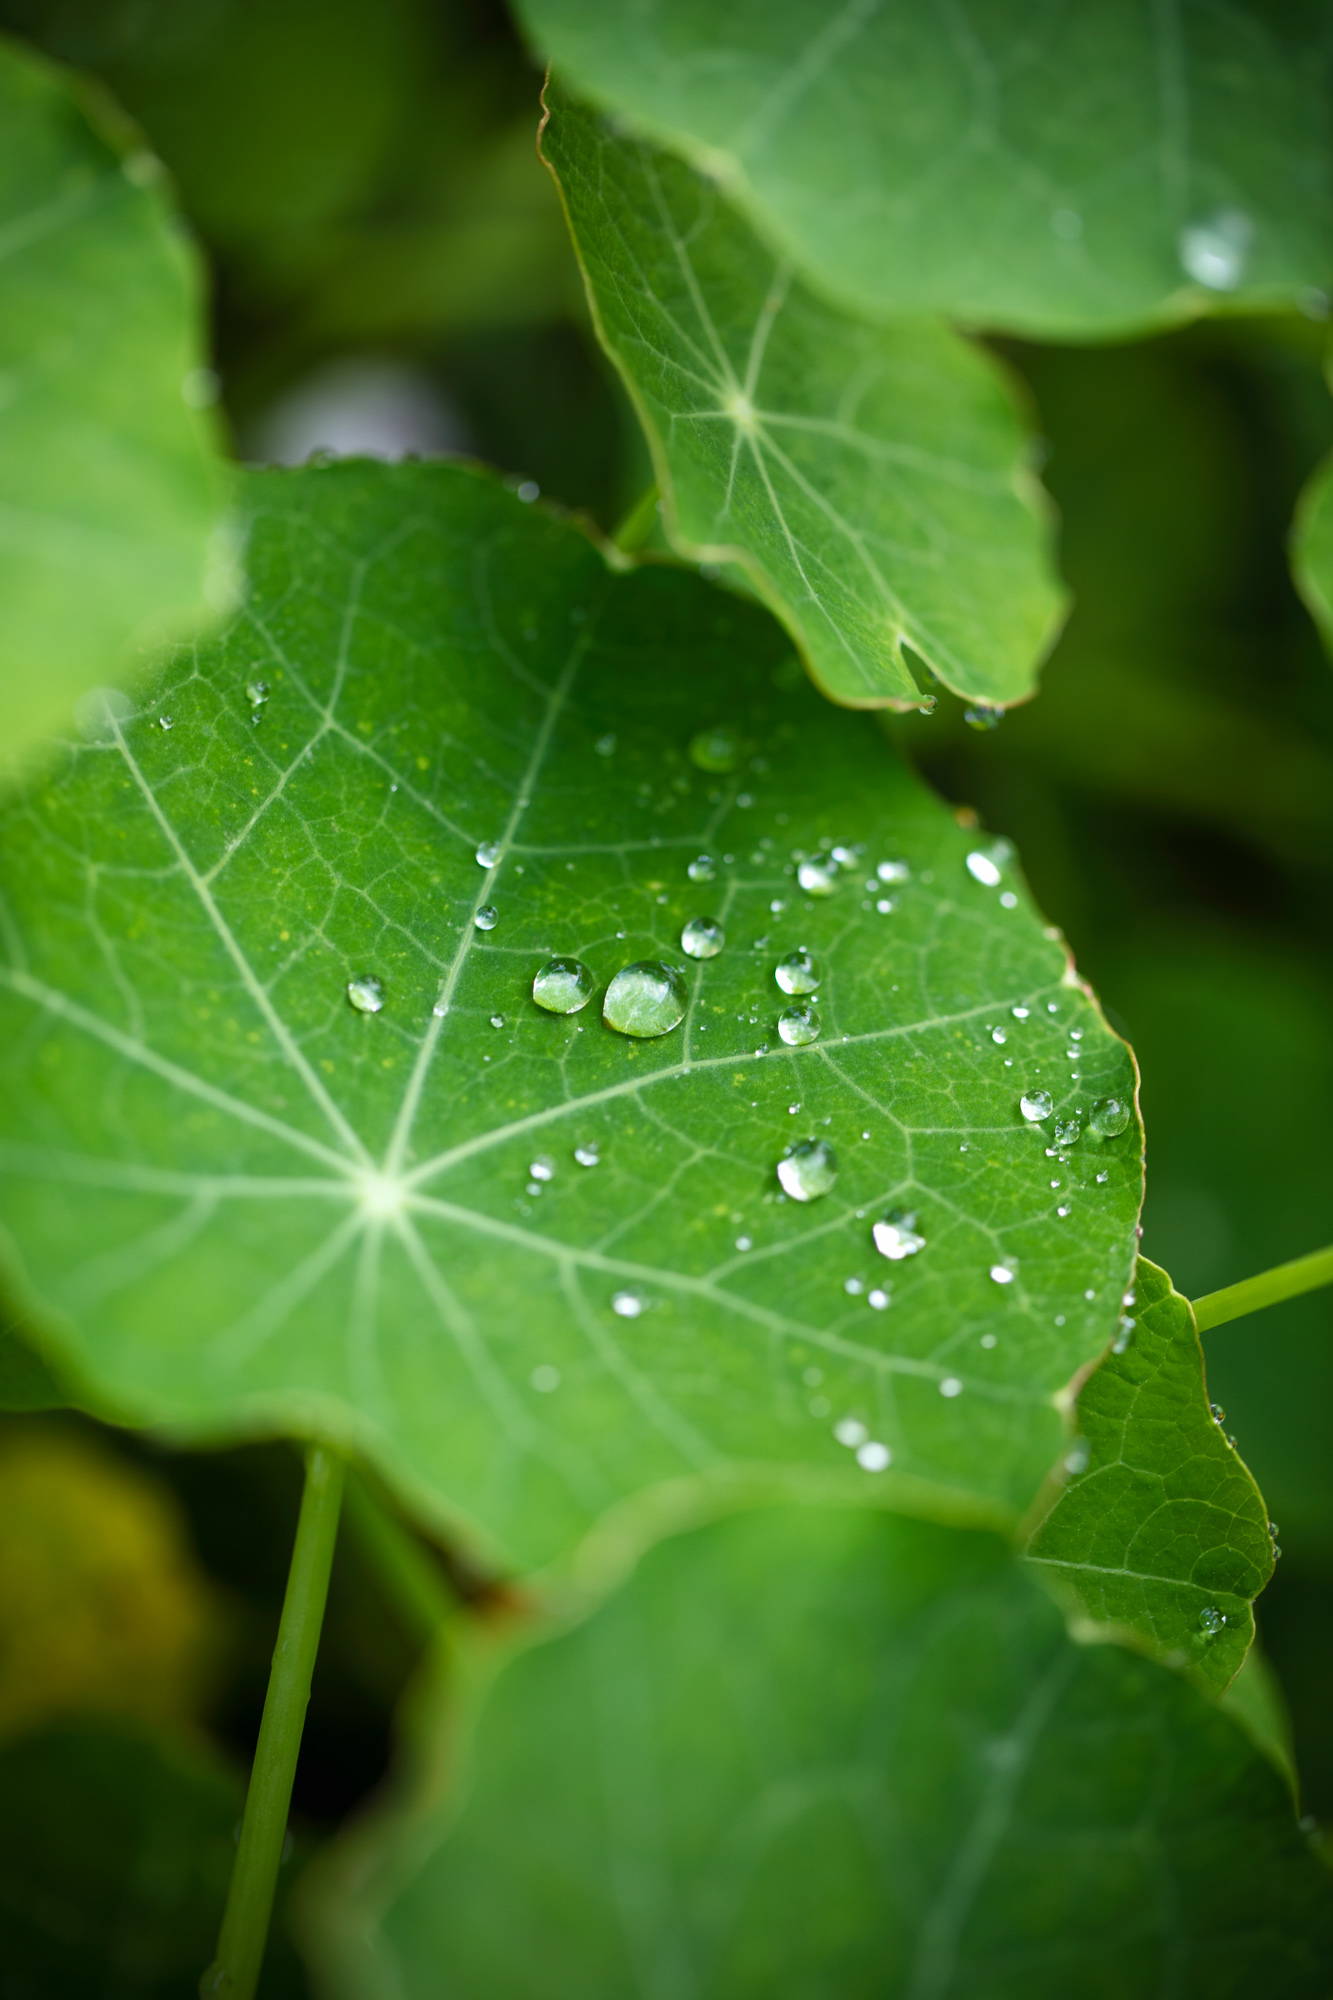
point(1213, 251)
point(702, 937)
point(951, 1386)
point(488, 853)
point(797, 973)
point(487, 917)
point(1020, 1013)
point(166, 722)
point(717, 749)
point(588, 1154)
point(256, 693)
point(1036, 1105)
point(1067, 1131)
point(818, 875)
point(1002, 1273)
point(1108, 1118)
point(1078, 1457)
point(853, 1287)
point(808, 1170)
point(1124, 1334)
point(851, 1432)
point(983, 869)
point(497, 1020)
point(873, 1456)
point(366, 994)
point(928, 704)
point(999, 1037)
point(542, 1168)
point(981, 717)
point(703, 868)
point(744, 1243)
point(1064, 1210)
point(627, 1305)
point(1217, 1413)
point(877, 1300)
point(605, 746)
point(798, 1026)
point(897, 1236)
point(892, 871)
point(644, 1000)
point(1211, 1620)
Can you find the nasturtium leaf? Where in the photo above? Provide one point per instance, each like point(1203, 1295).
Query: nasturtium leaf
point(116, 1847)
point(1160, 1526)
point(111, 495)
point(808, 1752)
point(1049, 169)
point(1312, 548)
point(288, 1143)
point(870, 481)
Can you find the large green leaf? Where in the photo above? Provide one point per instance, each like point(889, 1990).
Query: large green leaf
point(110, 492)
point(1043, 167)
point(238, 1201)
point(805, 1753)
point(1161, 1527)
point(870, 481)
point(1312, 548)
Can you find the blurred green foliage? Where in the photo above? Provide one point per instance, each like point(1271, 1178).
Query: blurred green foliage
point(365, 182)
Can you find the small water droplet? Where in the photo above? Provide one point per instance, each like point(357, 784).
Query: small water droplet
point(1124, 1334)
point(256, 693)
point(605, 746)
point(808, 1170)
point(1213, 250)
point(717, 750)
point(951, 1386)
point(542, 1168)
point(487, 917)
point(1108, 1118)
point(365, 994)
point(703, 868)
point(853, 1287)
point(999, 1036)
point(979, 716)
point(1002, 1273)
point(744, 1243)
point(1036, 1105)
point(928, 704)
point(1020, 1013)
point(1211, 1620)
point(488, 853)
point(874, 1456)
point(497, 1020)
point(166, 722)
point(817, 875)
point(797, 973)
point(877, 1300)
point(1077, 1457)
point(897, 1236)
point(627, 1305)
point(1064, 1210)
point(1217, 1413)
point(1067, 1131)
point(851, 1432)
point(645, 1000)
point(982, 868)
point(702, 937)
point(798, 1026)
point(892, 871)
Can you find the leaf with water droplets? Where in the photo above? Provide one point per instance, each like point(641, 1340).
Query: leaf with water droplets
point(875, 1763)
point(1049, 169)
point(236, 1201)
point(870, 482)
point(1163, 1529)
point(111, 494)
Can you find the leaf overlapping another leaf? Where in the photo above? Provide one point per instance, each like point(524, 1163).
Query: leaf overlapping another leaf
point(237, 1202)
point(869, 481)
point(111, 498)
point(1052, 170)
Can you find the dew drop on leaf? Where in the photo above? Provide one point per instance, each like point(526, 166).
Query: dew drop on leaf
point(1067, 1131)
point(897, 1236)
point(487, 917)
point(365, 994)
point(644, 1000)
point(1213, 251)
point(702, 937)
point(1036, 1105)
point(798, 1026)
point(703, 868)
point(979, 716)
point(951, 1386)
point(1002, 1274)
point(851, 1432)
point(892, 871)
point(1211, 1620)
point(1108, 1118)
point(982, 868)
point(808, 1170)
point(588, 1154)
point(562, 985)
point(797, 973)
point(717, 750)
point(256, 693)
point(873, 1456)
point(627, 1305)
point(488, 853)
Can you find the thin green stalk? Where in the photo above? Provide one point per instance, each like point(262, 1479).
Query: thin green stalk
point(638, 524)
point(1269, 1288)
point(235, 1970)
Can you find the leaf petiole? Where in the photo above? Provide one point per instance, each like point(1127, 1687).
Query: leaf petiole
point(1268, 1288)
point(241, 1941)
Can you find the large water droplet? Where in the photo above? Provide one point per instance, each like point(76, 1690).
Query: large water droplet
point(1108, 1118)
point(982, 717)
point(1036, 1105)
point(488, 853)
point(808, 1170)
point(702, 937)
point(1002, 1274)
point(644, 1000)
point(588, 1154)
point(717, 749)
point(1213, 250)
point(983, 868)
point(366, 994)
point(897, 1236)
point(797, 973)
point(798, 1026)
point(563, 985)
point(487, 917)
point(818, 875)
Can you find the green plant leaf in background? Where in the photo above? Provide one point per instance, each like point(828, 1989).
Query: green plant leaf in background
point(1160, 1527)
point(111, 497)
point(1048, 169)
point(835, 1751)
point(870, 481)
point(291, 1146)
point(1312, 549)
